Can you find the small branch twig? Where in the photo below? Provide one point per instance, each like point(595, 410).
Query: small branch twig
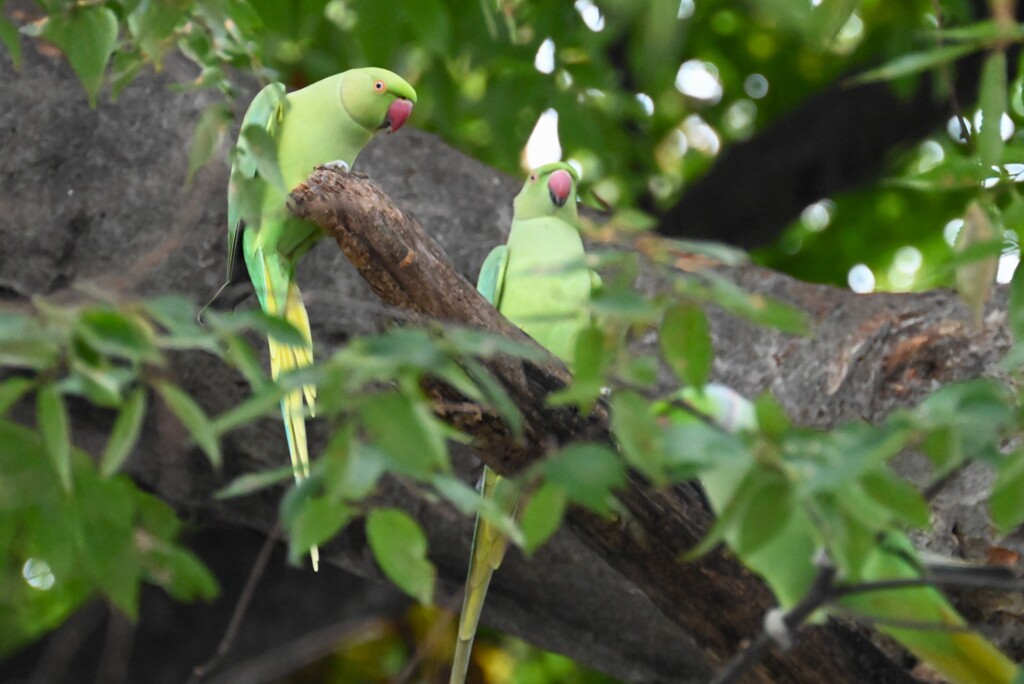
point(244, 599)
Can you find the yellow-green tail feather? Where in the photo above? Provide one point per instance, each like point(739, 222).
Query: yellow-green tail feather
point(285, 358)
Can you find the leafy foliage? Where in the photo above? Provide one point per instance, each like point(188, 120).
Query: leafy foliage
point(70, 529)
point(651, 92)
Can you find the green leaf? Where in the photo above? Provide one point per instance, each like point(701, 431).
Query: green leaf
point(914, 63)
point(242, 356)
point(263, 150)
point(124, 67)
point(495, 395)
point(401, 551)
point(124, 433)
point(86, 34)
point(542, 515)
point(407, 432)
point(156, 516)
point(590, 363)
point(117, 334)
point(1006, 502)
point(210, 130)
point(260, 321)
point(9, 36)
point(728, 514)
point(767, 509)
point(52, 419)
point(770, 416)
point(315, 520)
point(24, 343)
point(13, 389)
point(469, 342)
point(637, 432)
point(178, 316)
point(102, 386)
point(685, 341)
point(898, 496)
point(1016, 306)
point(180, 573)
point(152, 24)
point(351, 468)
point(257, 405)
point(469, 502)
point(692, 446)
point(193, 418)
point(992, 99)
point(754, 307)
point(828, 18)
point(246, 484)
point(104, 536)
point(982, 33)
point(588, 473)
point(623, 303)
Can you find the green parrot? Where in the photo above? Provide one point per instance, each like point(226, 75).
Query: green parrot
point(538, 279)
point(327, 122)
point(961, 655)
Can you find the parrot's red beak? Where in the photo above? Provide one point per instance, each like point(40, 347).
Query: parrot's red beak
point(398, 112)
point(560, 185)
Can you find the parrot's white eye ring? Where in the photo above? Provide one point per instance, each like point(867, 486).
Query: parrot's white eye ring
point(380, 86)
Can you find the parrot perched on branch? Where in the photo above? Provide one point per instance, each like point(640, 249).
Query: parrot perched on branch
point(920, 617)
point(538, 280)
point(327, 122)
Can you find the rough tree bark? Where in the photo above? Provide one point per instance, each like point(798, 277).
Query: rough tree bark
point(97, 196)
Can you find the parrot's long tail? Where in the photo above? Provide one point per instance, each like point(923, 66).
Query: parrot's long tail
point(284, 358)
point(488, 551)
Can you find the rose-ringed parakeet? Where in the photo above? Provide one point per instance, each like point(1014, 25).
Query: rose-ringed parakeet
point(785, 561)
point(538, 280)
point(327, 122)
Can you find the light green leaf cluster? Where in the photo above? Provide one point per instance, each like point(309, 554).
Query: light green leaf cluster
point(71, 526)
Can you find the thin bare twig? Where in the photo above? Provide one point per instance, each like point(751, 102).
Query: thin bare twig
point(244, 599)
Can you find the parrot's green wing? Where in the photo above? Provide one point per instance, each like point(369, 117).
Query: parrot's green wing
point(244, 195)
point(492, 275)
point(245, 190)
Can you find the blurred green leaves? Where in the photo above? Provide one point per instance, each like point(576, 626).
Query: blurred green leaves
point(87, 35)
point(400, 547)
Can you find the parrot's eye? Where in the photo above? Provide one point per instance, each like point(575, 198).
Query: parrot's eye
point(533, 177)
point(380, 87)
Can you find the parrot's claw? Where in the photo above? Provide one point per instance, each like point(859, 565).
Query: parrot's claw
point(338, 165)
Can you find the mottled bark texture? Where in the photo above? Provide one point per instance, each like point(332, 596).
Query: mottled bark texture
point(98, 196)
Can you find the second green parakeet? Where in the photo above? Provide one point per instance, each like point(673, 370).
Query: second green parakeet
point(538, 280)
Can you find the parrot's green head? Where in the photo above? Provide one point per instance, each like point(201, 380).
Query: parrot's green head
point(549, 191)
point(377, 99)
